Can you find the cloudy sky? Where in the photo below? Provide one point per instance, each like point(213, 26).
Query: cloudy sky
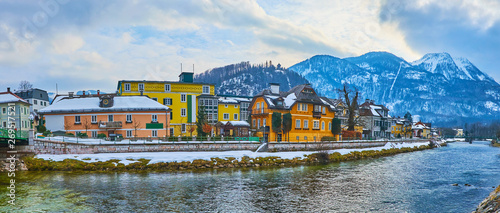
point(83, 45)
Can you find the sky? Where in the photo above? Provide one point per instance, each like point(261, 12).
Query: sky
point(90, 45)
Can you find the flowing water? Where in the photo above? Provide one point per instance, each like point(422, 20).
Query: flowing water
point(410, 182)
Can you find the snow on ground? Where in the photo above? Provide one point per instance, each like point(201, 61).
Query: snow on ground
point(190, 156)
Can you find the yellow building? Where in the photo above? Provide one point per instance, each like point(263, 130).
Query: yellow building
point(179, 96)
point(311, 115)
point(233, 108)
point(401, 128)
point(421, 130)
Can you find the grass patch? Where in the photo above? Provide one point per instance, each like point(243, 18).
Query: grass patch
point(36, 164)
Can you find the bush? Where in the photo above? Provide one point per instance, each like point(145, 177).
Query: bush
point(101, 135)
point(47, 132)
point(41, 129)
point(69, 134)
point(328, 138)
point(82, 135)
point(351, 135)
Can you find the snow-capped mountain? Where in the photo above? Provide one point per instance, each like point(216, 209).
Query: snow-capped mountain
point(244, 79)
point(438, 87)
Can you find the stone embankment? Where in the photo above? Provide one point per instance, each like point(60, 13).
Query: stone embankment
point(491, 203)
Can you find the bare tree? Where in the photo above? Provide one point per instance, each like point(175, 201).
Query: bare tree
point(191, 128)
point(351, 103)
point(86, 125)
point(25, 85)
point(137, 126)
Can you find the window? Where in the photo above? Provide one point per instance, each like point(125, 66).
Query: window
point(167, 101)
point(258, 123)
point(171, 132)
point(258, 106)
point(206, 89)
point(235, 106)
point(329, 126)
point(110, 118)
point(129, 118)
point(297, 138)
point(322, 125)
point(315, 124)
point(154, 133)
point(183, 112)
point(93, 119)
point(225, 116)
point(235, 116)
point(5, 124)
point(4, 110)
point(317, 108)
point(262, 107)
point(298, 106)
point(183, 97)
point(304, 107)
point(183, 128)
point(77, 119)
point(306, 124)
point(264, 122)
point(225, 105)
point(155, 99)
point(253, 123)
point(324, 110)
point(129, 134)
point(297, 124)
point(77, 132)
point(305, 138)
point(93, 134)
point(167, 87)
point(35, 102)
point(154, 118)
point(141, 87)
point(171, 115)
point(127, 87)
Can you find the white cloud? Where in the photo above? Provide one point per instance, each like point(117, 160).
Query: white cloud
point(66, 43)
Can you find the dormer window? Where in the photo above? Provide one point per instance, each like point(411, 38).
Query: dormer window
point(279, 103)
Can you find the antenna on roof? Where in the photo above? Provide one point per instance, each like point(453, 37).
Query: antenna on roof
point(56, 89)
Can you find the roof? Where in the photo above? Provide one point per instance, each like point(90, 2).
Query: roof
point(371, 109)
point(303, 93)
point(91, 104)
point(9, 97)
point(233, 100)
point(239, 123)
point(163, 82)
point(33, 93)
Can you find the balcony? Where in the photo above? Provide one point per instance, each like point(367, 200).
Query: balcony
point(110, 124)
point(317, 114)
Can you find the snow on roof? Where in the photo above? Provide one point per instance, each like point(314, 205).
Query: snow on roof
point(8, 97)
point(91, 104)
point(290, 100)
point(239, 123)
point(224, 100)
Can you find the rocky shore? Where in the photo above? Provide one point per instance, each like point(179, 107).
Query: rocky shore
point(491, 203)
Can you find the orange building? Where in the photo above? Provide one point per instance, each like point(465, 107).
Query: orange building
point(311, 114)
point(128, 116)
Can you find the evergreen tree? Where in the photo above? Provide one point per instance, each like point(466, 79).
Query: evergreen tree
point(287, 124)
point(336, 126)
point(276, 122)
point(201, 121)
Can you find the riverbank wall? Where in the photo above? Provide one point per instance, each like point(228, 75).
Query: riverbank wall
point(41, 146)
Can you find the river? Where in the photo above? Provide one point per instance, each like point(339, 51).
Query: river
point(410, 182)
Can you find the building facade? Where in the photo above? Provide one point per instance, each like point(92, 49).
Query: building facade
point(38, 98)
point(128, 116)
point(401, 128)
point(14, 110)
point(376, 120)
point(311, 117)
point(180, 97)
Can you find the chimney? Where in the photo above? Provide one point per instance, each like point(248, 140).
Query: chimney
point(367, 100)
point(83, 93)
point(275, 88)
point(70, 94)
point(8, 89)
point(98, 92)
point(372, 101)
